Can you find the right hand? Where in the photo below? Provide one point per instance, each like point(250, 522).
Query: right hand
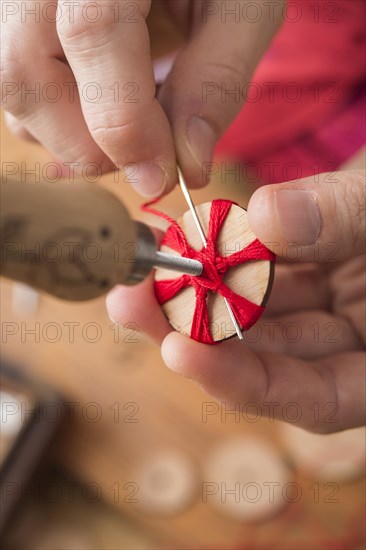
point(319, 295)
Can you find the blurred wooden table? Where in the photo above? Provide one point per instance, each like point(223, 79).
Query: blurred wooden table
point(142, 409)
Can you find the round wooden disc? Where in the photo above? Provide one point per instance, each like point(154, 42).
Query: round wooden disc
point(252, 280)
point(238, 474)
point(167, 483)
point(337, 457)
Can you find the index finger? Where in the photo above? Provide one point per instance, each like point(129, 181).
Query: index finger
point(108, 49)
point(272, 383)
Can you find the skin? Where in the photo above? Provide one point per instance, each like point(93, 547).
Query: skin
point(153, 133)
point(322, 373)
point(174, 126)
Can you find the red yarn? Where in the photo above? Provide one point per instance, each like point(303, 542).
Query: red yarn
point(214, 267)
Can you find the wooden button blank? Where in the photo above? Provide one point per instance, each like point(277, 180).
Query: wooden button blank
point(167, 483)
point(337, 457)
point(251, 280)
point(245, 479)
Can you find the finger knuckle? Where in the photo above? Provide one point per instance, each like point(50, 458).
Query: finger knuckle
point(12, 76)
point(356, 195)
point(107, 135)
point(84, 22)
point(354, 201)
point(233, 71)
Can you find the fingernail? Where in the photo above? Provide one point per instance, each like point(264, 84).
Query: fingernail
point(298, 215)
point(201, 140)
point(149, 180)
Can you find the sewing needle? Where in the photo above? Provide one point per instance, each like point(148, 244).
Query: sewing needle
point(192, 208)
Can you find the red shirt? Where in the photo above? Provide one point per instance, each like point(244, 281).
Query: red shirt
point(305, 106)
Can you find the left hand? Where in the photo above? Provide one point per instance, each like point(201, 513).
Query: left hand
point(106, 112)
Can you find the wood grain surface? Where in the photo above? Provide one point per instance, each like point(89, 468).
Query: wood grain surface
point(250, 280)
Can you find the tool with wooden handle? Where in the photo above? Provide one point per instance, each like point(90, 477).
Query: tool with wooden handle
point(76, 241)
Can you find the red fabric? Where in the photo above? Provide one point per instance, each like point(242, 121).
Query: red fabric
point(214, 267)
point(305, 109)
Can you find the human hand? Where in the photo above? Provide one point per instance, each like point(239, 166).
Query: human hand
point(93, 99)
point(316, 226)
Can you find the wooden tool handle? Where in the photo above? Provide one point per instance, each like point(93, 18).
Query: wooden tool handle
point(74, 241)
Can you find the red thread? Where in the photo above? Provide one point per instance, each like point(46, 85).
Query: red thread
point(214, 267)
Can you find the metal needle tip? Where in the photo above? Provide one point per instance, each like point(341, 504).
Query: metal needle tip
point(192, 208)
point(196, 219)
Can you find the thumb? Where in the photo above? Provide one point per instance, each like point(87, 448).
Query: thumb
point(204, 91)
point(312, 221)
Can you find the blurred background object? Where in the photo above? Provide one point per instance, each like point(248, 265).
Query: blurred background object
point(337, 457)
point(24, 300)
point(26, 431)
